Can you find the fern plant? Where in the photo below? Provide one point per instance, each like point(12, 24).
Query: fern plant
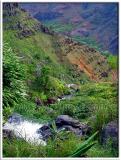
point(13, 78)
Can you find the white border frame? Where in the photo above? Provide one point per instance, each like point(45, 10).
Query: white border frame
point(1, 40)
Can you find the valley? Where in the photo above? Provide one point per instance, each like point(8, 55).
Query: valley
point(56, 90)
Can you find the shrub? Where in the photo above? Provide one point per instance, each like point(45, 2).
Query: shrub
point(13, 78)
point(104, 112)
point(25, 108)
point(113, 61)
point(68, 109)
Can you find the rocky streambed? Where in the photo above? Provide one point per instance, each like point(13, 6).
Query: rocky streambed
point(36, 133)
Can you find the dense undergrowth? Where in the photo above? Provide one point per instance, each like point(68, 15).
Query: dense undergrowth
point(93, 103)
point(32, 70)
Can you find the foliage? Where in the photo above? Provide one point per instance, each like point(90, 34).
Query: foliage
point(58, 148)
point(13, 80)
point(64, 144)
point(27, 109)
point(103, 90)
point(13, 76)
point(113, 61)
point(48, 84)
point(58, 134)
point(37, 61)
point(85, 146)
point(77, 107)
point(102, 151)
point(7, 111)
point(104, 112)
point(103, 97)
point(88, 41)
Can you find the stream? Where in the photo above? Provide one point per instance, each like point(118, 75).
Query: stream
point(27, 129)
point(24, 129)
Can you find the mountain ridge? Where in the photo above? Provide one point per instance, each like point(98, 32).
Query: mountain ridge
point(86, 59)
point(95, 22)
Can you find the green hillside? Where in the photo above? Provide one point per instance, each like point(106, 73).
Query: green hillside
point(39, 64)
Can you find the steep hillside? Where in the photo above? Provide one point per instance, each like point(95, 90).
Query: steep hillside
point(37, 45)
point(95, 24)
point(57, 92)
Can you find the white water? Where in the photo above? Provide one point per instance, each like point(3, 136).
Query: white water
point(26, 130)
point(65, 97)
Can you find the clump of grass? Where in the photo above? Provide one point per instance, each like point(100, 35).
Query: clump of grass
point(101, 151)
point(62, 146)
point(58, 148)
point(104, 112)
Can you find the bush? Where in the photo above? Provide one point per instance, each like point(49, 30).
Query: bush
point(25, 108)
point(68, 109)
point(113, 61)
point(28, 110)
point(104, 112)
point(84, 109)
point(13, 76)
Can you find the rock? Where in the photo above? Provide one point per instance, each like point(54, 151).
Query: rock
point(45, 131)
point(50, 101)
point(67, 123)
point(110, 131)
point(25, 33)
point(76, 131)
point(104, 74)
point(15, 118)
point(38, 103)
point(66, 120)
point(73, 86)
point(8, 134)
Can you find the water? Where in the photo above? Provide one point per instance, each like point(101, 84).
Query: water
point(25, 129)
point(68, 97)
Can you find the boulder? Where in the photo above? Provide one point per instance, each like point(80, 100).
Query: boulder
point(45, 131)
point(8, 134)
point(110, 132)
point(65, 122)
point(15, 118)
point(71, 124)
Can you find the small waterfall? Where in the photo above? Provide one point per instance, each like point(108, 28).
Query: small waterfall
point(25, 129)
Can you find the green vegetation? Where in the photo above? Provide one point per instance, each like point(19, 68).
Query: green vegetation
point(58, 27)
point(62, 146)
point(84, 146)
point(33, 69)
point(13, 80)
point(88, 41)
point(102, 151)
point(113, 61)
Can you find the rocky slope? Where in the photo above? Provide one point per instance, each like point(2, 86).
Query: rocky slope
point(89, 21)
point(20, 29)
